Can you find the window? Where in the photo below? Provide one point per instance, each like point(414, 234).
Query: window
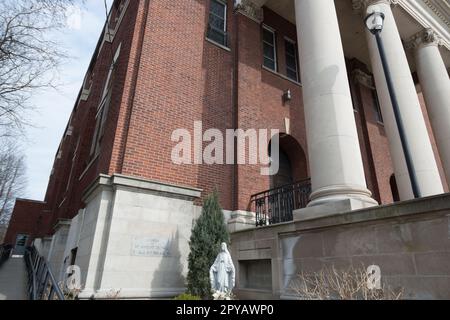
point(102, 111)
point(377, 108)
point(217, 26)
point(353, 95)
point(291, 60)
point(270, 48)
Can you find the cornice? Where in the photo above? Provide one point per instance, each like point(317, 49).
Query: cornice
point(441, 9)
point(437, 20)
point(249, 9)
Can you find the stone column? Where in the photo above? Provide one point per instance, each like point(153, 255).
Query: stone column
point(416, 132)
point(334, 154)
point(435, 85)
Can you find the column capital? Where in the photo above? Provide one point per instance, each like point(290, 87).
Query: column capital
point(360, 6)
point(249, 9)
point(426, 37)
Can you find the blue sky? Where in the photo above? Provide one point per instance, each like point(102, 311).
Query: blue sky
point(53, 108)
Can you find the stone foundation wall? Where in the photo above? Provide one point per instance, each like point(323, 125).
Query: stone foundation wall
point(409, 241)
point(133, 238)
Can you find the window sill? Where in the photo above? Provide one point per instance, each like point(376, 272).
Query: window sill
point(85, 94)
point(281, 75)
point(218, 44)
point(89, 166)
point(62, 202)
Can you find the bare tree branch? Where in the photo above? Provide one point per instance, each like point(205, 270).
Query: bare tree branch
point(12, 177)
point(29, 57)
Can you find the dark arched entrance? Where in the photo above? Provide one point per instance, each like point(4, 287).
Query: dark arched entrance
point(290, 187)
point(394, 189)
point(284, 176)
point(292, 162)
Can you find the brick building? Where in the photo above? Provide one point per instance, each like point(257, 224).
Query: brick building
point(117, 205)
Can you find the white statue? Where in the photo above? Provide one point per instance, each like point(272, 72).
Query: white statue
point(222, 272)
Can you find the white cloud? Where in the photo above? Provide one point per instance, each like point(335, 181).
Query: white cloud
point(74, 16)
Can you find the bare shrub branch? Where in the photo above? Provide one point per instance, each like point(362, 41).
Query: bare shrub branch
point(333, 284)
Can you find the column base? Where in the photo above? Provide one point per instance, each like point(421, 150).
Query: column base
point(332, 208)
point(332, 194)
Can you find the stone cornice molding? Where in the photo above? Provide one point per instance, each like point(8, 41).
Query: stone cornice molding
point(438, 20)
point(441, 8)
point(363, 78)
point(360, 6)
point(430, 14)
point(249, 9)
point(425, 37)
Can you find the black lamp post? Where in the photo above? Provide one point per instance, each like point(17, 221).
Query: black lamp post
point(375, 22)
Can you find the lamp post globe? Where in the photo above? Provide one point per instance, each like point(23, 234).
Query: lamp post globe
point(375, 20)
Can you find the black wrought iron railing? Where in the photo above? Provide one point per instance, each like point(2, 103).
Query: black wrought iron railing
point(5, 252)
point(277, 205)
point(41, 282)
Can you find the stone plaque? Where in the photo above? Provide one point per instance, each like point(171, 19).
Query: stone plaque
point(151, 247)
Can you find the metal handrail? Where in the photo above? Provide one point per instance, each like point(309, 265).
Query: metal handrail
point(277, 205)
point(5, 252)
point(41, 282)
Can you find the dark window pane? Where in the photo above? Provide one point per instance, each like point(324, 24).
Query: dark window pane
point(292, 74)
point(290, 48)
point(217, 22)
point(217, 8)
point(377, 108)
point(268, 36)
point(217, 36)
point(291, 62)
point(269, 63)
point(269, 47)
point(269, 52)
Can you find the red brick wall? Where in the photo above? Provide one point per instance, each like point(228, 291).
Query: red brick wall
point(182, 78)
point(260, 95)
point(30, 218)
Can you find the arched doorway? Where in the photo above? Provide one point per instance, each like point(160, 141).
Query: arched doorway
point(292, 162)
point(284, 176)
point(290, 187)
point(394, 189)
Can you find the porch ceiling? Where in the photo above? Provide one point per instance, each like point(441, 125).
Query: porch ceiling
point(352, 27)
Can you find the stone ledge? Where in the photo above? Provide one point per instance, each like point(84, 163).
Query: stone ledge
point(118, 180)
point(134, 294)
point(62, 223)
point(241, 220)
point(400, 210)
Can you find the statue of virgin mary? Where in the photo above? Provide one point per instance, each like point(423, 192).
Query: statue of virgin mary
point(222, 272)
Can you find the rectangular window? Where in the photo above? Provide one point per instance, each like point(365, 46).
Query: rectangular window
point(103, 109)
point(270, 48)
point(217, 26)
point(377, 108)
point(291, 60)
point(353, 95)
